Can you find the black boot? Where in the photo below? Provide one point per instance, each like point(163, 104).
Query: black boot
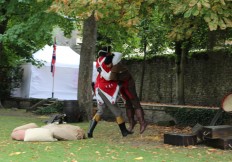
point(123, 129)
point(130, 112)
point(140, 115)
point(93, 124)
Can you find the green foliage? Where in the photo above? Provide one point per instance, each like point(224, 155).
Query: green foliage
point(130, 39)
point(194, 19)
point(55, 108)
point(152, 30)
point(205, 54)
point(216, 13)
point(151, 57)
point(26, 27)
point(129, 25)
point(119, 37)
point(10, 78)
point(190, 117)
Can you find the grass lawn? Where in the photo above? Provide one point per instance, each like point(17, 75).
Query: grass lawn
point(106, 146)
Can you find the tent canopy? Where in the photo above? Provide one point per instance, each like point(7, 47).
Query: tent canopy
point(65, 56)
point(38, 82)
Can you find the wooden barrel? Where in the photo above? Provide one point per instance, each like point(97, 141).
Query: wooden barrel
point(72, 111)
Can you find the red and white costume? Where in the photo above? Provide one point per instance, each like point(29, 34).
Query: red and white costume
point(116, 59)
point(108, 87)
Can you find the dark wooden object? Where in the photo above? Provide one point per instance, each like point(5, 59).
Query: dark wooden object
point(218, 131)
point(222, 143)
point(197, 130)
point(57, 118)
point(180, 139)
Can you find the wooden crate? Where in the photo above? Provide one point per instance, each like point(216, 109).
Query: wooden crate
point(180, 139)
point(222, 143)
point(219, 131)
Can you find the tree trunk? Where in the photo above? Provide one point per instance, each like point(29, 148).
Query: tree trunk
point(143, 71)
point(85, 99)
point(3, 26)
point(181, 50)
point(180, 61)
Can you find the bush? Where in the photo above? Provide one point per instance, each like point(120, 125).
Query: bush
point(10, 78)
point(54, 108)
point(190, 117)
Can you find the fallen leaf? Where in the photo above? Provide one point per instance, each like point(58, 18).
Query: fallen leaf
point(139, 158)
point(113, 157)
point(16, 153)
point(192, 147)
point(73, 160)
point(97, 152)
point(212, 150)
point(47, 148)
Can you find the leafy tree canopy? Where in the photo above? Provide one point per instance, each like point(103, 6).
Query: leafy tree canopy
point(117, 20)
point(26, 26)
point(185, 17)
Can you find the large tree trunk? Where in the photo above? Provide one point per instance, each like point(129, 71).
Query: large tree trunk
point(3, 26)
point(179, 73)
point(181, 50)
point(86, 67)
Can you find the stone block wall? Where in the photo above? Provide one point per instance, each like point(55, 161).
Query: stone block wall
point(207, 80)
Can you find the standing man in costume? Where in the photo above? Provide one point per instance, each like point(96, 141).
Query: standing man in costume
point(121, 74)
point(106, 92)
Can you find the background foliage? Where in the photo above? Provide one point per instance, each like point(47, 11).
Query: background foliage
point(25, 27)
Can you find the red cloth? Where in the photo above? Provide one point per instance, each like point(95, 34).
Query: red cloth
point(53, 62)
point(108, 87)
point(125, 92)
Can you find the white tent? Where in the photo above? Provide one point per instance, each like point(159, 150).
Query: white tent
point(38, 82)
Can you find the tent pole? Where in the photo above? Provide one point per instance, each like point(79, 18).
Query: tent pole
point(53, 87)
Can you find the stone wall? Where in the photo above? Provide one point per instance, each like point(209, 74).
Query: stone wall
point(207, 79)
point(207, 76)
